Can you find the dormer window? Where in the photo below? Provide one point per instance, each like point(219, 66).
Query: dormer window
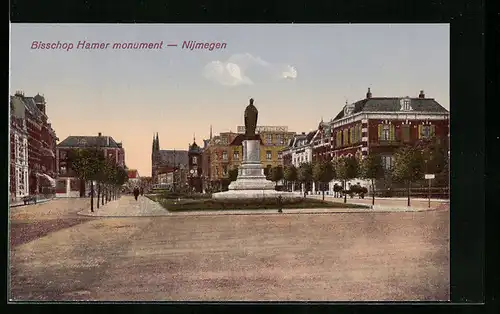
point(348, 110)
point(406, 104)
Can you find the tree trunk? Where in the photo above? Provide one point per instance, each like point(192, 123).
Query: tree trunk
point(92, 196)
point(373, 192)
point(103, 193)
point(323, 191)
point(98, 194)
point(82, 188)
point(409, 189)
point(345, 194)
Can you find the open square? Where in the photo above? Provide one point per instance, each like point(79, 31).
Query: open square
point(327, 257)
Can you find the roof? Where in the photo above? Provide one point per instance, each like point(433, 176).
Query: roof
point(294, 142)
point(89, 141)
point(194, 148)
point(387, 104)
point(238, 140)
point(29, 104)
point(171, 157)
point(132, 174)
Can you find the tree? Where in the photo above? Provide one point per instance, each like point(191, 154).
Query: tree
point(267, 172)
point(304, 173)
point(371, 168)
point(85, 163)
point(277, 174)
point(233, 174)
point(346, 169)
point(408, 166)
point(290, 175)
point(435, 156)
point(323, 172)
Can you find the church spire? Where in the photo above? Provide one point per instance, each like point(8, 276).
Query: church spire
point(157, 142)
point(210, 131)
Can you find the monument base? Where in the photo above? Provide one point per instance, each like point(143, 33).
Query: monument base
point(251, 182)
point(256, 195)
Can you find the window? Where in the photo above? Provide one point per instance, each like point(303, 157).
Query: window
point(224, 170)
point(63, 170)
point(216, 171)
point(269, 139)
point(346, 137)
point(405, 132)
point(405, 104)
point(426, 131)
point(387, 162)
point(338, 139)
point(236, 155)
point(195, 160)
point(386, 132)
point(280, 139)
point(224, 155)
point(280, 155)
point(352, 138)
point(269, 155)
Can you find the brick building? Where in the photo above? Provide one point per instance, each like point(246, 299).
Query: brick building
point(18, 178)
point(381, 125)
point(68, 185)
point(224, 152)
point(41, 140)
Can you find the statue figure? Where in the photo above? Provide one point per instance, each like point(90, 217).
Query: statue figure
point(251, 114)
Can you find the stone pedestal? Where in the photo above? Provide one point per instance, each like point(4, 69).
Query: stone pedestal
point(251, 182)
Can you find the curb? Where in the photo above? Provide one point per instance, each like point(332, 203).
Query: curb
point(22, 204)
point(273, 212)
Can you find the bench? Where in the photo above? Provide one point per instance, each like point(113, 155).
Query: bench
point(29, 198)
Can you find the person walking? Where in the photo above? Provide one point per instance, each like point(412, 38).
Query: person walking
point(136, 193)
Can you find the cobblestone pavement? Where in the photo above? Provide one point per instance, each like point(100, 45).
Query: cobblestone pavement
point(347, 257)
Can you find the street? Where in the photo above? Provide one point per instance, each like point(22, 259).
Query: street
point(334, 256)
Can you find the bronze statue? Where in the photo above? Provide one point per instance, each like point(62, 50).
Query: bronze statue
point(251, 114)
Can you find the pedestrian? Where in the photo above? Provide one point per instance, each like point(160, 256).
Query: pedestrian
point(280, 204)
point(136, 193)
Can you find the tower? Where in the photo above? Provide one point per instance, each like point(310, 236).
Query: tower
point(195, 166)
point(155, 155)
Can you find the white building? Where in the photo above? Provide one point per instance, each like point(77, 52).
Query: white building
point(19, 184)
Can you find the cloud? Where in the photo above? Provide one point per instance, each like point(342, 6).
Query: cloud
point(234, 71)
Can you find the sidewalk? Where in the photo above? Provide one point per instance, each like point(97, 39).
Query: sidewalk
point(127, 206)
point(388, 203)
point(38, 201)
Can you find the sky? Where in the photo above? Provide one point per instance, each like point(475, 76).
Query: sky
point(297, 74)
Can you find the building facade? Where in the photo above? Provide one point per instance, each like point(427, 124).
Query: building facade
point(68, 185)
point(18, 179)
point(381, 125)
point(166, 161)
point(224, 151)
point(41, 139)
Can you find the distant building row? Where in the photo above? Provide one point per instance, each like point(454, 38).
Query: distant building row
point(373, 125)
point(205, 167)
point(32, 147)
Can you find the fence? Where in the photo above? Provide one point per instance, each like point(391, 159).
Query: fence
point(439, 193)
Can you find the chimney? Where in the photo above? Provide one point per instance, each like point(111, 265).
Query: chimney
point(421, 95)
point(99, 134)
point(303, 133)
point(369, 93)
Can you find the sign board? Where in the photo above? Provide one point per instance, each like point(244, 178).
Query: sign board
point(430, 176)
point(263, 129)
